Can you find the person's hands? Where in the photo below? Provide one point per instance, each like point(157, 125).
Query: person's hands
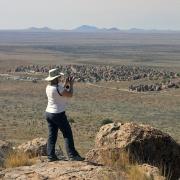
point(69, 82)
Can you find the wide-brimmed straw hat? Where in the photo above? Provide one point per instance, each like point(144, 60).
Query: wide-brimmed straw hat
point(53, 74)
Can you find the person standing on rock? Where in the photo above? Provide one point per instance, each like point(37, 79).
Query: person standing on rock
point(58, 94)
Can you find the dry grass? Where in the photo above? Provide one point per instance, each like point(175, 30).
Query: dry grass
point(16, 159)
point(134, 173)
point(123, 165)
point(116, 159)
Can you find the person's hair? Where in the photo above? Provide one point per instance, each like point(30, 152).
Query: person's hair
point(54, 81)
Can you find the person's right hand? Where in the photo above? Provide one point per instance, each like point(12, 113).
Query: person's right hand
point(67, 80)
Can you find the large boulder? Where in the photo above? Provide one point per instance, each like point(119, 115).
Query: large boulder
point(144, 143)
point(38, 147)
point(34, 147)
point(5, 147)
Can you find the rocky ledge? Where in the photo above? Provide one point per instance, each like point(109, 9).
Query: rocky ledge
point(55, 170)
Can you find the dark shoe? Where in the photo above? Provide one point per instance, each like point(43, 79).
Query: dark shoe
point(53, 159)
point(76, 158)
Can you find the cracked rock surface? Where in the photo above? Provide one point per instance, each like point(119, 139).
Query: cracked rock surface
point(55, 170)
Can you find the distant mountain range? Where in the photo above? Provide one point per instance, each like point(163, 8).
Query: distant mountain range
point(88, 28)
point(83, 28)
point(39, 29)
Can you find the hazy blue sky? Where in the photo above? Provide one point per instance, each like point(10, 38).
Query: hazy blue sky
point(124, 14)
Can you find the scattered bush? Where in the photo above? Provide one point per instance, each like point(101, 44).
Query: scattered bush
point(168, 77)
point(106, 121)
point(71, 120)
point(164, 81)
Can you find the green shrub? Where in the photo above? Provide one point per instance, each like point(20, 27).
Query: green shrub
point(164, 81)
point(71, 120)
point(106, 121)
point(167, 77)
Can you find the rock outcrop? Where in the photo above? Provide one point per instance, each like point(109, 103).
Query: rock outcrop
point(38, 147)
point(34, 147)
point(151, 172)
point(155, 87)
point(144, 143)
point(60, 170)
point(96, 73)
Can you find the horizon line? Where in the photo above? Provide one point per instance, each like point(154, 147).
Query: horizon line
point(98, 28)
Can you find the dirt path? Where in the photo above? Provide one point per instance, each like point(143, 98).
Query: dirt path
point(126, 90)
point(113, 88)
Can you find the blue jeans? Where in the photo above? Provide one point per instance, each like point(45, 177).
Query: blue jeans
point(59, 121)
